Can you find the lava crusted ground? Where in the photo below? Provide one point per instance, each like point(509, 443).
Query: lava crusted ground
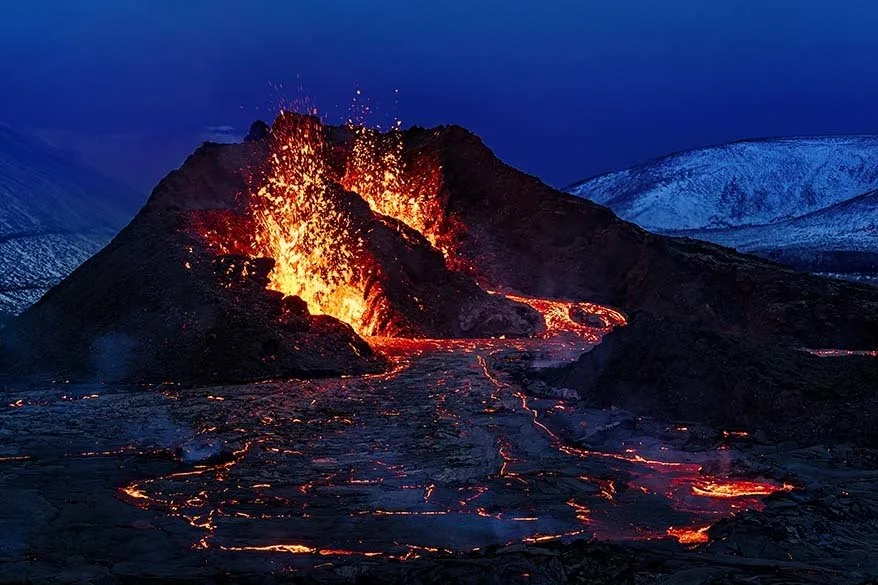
point(699, 374)
point(396, 477)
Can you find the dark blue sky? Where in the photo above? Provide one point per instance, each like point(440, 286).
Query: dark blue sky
point(561, 89)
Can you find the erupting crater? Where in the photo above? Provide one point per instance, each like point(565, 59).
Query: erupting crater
point(357, 228)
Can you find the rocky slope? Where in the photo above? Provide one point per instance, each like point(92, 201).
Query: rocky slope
point(54, 213)
point(689, 373)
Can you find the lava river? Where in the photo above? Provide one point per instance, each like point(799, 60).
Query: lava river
point(444, 453)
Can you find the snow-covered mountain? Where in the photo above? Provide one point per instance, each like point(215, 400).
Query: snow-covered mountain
point(850, 225)
point(751, 182)
point(54, 213)
point(809, 202)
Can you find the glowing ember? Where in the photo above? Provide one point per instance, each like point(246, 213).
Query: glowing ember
point(690, 535)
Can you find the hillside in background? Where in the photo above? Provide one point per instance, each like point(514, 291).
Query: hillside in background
point(807, 202)
point(55, 212)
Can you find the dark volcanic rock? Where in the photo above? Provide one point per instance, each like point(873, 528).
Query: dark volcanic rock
point(677, 371)
point(524, 235)
point(258, 131)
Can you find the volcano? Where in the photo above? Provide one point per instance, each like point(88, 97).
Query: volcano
point(380, 349)
point(278, 256)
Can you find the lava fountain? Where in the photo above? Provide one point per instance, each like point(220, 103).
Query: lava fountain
point(359, 231)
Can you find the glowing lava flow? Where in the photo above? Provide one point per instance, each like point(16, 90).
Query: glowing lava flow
point(690, 535)
point(736, 489)
point(581, 319)
point(300, 549)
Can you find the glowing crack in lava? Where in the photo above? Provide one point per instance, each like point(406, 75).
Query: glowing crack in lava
point(445, 453)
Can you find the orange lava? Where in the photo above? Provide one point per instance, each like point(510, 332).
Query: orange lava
point(737, 489)
point(690, 535)
point(581, 319)
point(300, 549)
point(298, 224)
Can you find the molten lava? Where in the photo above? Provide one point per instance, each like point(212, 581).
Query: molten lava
point(736, 489)
point(580, 319)
point(297, 224)
point(690, 535)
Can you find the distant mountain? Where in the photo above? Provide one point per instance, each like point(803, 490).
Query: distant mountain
point(55, 212)
point(808, 202)
point(840, 239)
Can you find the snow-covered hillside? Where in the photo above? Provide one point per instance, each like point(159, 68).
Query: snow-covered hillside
point(850, 225)
point(54, 214)
point(808, 202)
point(743, 183)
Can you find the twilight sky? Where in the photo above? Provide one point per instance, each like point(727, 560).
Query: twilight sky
point(562, 89)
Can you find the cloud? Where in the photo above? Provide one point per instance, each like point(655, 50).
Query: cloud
point(224, 134)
